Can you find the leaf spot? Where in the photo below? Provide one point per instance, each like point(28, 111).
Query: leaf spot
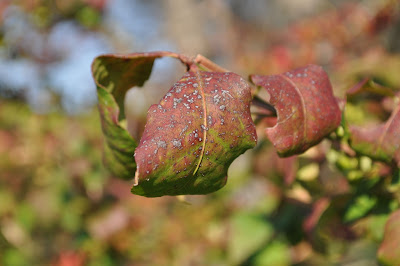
point(227, 93)
point(176, 143)
point(209, 120)
point(216, 99)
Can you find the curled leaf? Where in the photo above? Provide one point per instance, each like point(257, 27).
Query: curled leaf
point(306, 108)
point(114, 75)
point(192, 136)
point(381, 142)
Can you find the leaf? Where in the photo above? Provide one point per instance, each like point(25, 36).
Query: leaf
point(312, 224)
point(119, 146)
point(192, 136)
point(359, 207)
point(306, 108)
point(389, 250)
point(324, 226)
point(249, 233)
point(275, 253)
point(118, 73)
point(380, 142)
point(114, 75)
point(371, 226)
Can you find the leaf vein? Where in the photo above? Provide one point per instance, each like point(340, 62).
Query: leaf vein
point(204, 120)
point(303, 104)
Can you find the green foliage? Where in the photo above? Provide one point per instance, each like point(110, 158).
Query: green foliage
point(249, 232)
point(275, 253)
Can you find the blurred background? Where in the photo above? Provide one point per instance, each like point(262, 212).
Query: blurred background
point(59, 206)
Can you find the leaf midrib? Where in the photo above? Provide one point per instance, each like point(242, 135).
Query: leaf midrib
point(303, 104)
point(205, 113)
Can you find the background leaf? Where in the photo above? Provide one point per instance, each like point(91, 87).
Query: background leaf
point(359, 208)
point(275, 253)
point(381, 142)
point(389, 251)
point(249, 232)
point(192, 136)
point(306, 108)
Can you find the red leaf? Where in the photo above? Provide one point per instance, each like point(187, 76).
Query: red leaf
point(192, 136)
point(306, 108)
point(311, 222)
point(381, 142)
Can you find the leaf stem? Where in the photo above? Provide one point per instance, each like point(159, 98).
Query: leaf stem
point(257, 101)
point(208, 64)
point(263, 115)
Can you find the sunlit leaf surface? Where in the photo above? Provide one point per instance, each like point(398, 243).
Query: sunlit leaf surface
point(191, 137)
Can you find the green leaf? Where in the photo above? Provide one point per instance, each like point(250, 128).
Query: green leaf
point(249, 233)
point(372, 226)
point(13, 257)
point(114, 75)
point(276, 253)
point(306, 108)
point(359, 208)
point(389, 250)
point(192, 136)
point(119, 146)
